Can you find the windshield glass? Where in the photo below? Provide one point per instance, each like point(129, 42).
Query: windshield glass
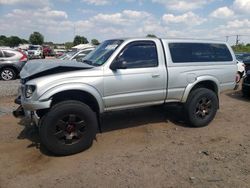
point(101, 54)
point(33, 47)
point(67, 56)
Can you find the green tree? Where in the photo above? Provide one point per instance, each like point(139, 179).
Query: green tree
point(241, 48)
point(95, 42)
point(151, 36)
point(69, 45)
point(14, 41)
point(36, 38)
point(80, 40)
point(24, 41)
point(3, 40)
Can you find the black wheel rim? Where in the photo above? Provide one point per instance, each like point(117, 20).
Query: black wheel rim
point(70, 129)
point(203, 108)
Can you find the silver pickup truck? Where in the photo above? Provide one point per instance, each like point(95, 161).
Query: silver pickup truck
point(66, 99)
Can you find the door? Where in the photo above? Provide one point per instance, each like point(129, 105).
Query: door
point(1, 56)
point(141, 80)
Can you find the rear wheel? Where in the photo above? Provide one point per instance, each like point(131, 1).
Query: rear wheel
point(68, 128)
point(7, 74)
point(201, 107)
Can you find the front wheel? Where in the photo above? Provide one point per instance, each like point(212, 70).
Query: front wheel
point(201, 107)
point(68, 128)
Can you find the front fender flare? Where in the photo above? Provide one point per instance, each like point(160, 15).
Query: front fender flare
point(74, 86)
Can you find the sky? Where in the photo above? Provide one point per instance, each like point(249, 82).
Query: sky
point(60, 20)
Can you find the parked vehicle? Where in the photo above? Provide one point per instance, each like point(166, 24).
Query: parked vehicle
point(239, 56)
point(66, 99)
point(246, 81)
point(59, 52)
point(240, 73)
point(47, 51)
point(35, 51)
point(78, 55)
point(11, 63)
point(241, 66)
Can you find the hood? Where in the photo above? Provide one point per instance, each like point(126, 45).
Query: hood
point(37, 68)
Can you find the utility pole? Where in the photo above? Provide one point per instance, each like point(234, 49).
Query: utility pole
point(237, 40)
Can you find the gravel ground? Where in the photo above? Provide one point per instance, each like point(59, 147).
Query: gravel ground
point(8, 91)
point(9, 88)
point(147, 147)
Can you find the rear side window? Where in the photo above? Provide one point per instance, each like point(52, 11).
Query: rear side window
point(1, 54)
point(8, 54)
point(140, 55)
point(199, 52)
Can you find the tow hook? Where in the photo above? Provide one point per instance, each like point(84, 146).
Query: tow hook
point(19, 112)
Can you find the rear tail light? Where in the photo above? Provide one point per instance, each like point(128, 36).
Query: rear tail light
point(24, 57)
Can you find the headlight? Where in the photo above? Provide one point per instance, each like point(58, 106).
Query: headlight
point(29, 90)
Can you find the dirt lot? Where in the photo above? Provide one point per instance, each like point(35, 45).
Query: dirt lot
point(147, 147)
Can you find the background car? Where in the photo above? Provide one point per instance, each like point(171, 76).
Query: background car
point(246, 81)
point(11, 63)
point(47, 51)
point(35, 51)
point(78, 55)
point(59, 52)
point(241, 66)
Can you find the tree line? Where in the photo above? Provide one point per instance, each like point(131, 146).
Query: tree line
point(37, 38)
point(241, 48)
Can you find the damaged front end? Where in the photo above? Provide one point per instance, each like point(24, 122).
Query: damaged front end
point(28, 95)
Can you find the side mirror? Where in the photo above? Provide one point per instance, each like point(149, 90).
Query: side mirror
point(118, 64)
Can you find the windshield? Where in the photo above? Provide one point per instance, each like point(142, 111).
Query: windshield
point(67, 56)
point(33, 47)
point(101, 54)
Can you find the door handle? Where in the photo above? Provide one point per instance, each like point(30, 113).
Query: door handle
point(155, 75)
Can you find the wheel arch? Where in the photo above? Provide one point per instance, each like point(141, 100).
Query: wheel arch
point(202, 82)
point(10, 67)
point(74, 91)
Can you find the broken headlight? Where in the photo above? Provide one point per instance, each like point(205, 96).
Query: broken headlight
point(29, 90)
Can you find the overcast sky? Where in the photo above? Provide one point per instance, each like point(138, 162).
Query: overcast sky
point(59, 20)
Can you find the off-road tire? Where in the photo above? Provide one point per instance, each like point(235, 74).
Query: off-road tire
point(49, 125)
point(193, 110)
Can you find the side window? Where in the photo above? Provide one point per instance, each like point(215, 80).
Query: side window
point(221, 52)
point(140, 55)
point(8, 54)
point(199, 52)
point(1, 54)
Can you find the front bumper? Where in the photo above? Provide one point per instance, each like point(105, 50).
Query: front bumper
point(34, 56)
point(35, 105)
point(27, 109)
point(31, 116)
